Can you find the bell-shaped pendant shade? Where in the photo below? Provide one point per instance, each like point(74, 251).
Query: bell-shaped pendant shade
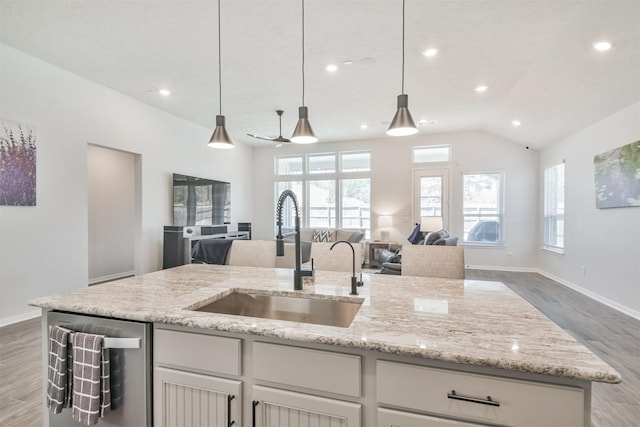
point(303, 134)
point(220, 137)
point(402, 123)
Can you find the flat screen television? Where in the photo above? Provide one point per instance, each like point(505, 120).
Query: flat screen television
point(200, 201)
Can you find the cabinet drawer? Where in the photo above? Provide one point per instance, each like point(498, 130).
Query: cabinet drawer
point(389, 418)
point(302, 367)
point(521, 403)
point(197, 351)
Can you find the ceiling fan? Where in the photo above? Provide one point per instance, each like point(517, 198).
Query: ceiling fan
point(279, 139)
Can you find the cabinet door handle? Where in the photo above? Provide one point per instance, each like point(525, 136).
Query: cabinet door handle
point(253, 412)
point(487, 401)
point(230, 422)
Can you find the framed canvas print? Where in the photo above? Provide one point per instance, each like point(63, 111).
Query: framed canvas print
point(17, 164)
point(617, 177)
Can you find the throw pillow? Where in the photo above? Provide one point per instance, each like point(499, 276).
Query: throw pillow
point(432, 237)
point(414, 237)
point(355, 237)
point(321, 235)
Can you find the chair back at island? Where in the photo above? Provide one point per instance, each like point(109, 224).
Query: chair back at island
point(252, 253)
point(338, 259)
point(446, 262)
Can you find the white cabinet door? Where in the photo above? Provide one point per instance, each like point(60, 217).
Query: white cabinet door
point(186, 399)
point(389, 418)
point(279, 408)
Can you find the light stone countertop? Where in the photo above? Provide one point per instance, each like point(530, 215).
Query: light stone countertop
point(469, 322)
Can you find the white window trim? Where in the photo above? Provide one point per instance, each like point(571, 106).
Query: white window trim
point(547, 247)
point(503, 191)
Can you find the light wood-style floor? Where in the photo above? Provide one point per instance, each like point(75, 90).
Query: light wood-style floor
point(611, 335)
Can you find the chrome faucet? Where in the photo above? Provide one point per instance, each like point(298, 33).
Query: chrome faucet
point(354, 281)
point(298, 273)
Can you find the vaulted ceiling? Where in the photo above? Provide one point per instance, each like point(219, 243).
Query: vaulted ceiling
point(536, 58)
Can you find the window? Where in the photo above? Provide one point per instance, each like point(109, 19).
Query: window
point(322, 163)
point(432, 153)
point(331, 194)
point(355, 161)
point(289, 165)
point(322, 204)
point(483, 208)
point(355, 203)
point(554, 208)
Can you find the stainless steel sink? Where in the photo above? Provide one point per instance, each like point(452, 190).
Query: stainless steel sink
point(296, 308)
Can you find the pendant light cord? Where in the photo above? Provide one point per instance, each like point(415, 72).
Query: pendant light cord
point(402, 47)
point(303, 52)
point(220, 60)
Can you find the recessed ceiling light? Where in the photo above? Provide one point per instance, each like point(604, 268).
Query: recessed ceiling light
point(332, 68)
point(602, 46)
point(516, 123)
point(430, 52)
point(164, 92)
point(481, 88)
point(364, 126)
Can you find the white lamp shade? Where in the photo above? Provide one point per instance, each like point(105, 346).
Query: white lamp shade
point(431, 223)
point(385, 221)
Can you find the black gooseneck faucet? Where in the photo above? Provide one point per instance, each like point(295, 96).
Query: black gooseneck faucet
point(354, 281)
point(298, 273)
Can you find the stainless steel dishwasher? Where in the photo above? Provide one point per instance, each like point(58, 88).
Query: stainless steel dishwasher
point(130, 350)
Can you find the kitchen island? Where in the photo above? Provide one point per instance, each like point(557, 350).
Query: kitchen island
point(419, 351)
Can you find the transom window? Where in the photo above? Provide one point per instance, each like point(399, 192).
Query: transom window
point(432, 154)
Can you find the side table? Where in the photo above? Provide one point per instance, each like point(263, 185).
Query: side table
point(373, 248)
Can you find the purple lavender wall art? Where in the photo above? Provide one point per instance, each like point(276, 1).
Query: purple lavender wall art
point(17, 164)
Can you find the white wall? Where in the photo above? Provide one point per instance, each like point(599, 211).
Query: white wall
point(112, 216)
point(44, 249)
point(391, 188)
point(606, 242)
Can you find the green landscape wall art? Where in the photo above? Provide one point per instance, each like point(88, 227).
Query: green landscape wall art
point(617, 176)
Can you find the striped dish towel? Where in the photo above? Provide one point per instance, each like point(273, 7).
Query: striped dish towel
point(58, 383)
point(91, 382)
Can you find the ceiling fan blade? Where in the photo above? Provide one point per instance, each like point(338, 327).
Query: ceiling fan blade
point(260, 137)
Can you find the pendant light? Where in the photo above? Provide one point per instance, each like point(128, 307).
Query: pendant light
point(220, 137)
point(402, 123)
point(303, 134)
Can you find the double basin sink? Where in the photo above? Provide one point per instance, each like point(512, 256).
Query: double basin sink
point(315, 309)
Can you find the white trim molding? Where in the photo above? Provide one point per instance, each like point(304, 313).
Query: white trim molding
point(32, 314)
point(606, 301)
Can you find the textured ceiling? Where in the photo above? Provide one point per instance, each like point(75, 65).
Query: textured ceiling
point(535, 56)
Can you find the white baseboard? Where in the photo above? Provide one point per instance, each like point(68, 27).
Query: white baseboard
point(111, 277)
point(606, 301)
point(501, 268)
point(6, 321)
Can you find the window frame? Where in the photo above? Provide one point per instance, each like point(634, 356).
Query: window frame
point(546, 196)
point(336, 176)
point(500, 242)
point(416, 148)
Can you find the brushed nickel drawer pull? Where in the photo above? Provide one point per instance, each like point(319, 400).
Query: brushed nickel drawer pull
point(487, 401)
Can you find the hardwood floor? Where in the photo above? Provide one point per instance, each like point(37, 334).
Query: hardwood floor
point(21, 377)
point(611, 335)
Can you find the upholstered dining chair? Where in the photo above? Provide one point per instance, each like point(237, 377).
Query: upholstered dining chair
point(338, 259)
point(252, 253)
point(446, 262)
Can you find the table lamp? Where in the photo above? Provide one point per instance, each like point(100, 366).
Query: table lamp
point(384, 224)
